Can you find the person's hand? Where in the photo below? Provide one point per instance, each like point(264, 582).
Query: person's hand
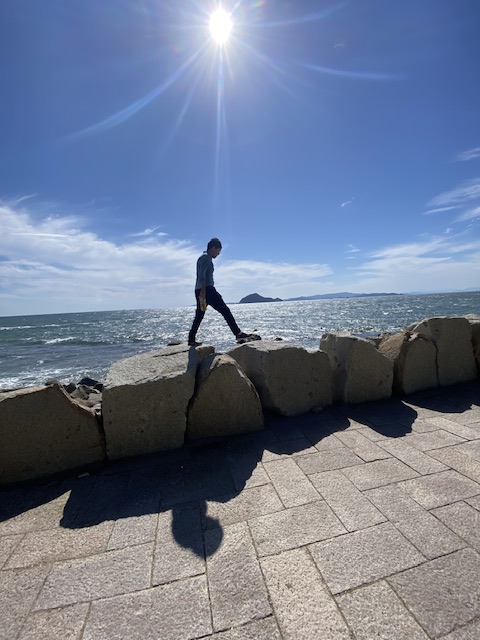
point(203, 304)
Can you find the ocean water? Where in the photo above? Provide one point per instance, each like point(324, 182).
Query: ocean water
point(70, 346)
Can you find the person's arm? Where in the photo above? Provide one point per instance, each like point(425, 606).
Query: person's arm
point(202, 278)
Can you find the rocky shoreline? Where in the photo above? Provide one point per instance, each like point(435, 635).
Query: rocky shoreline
point(161, 400)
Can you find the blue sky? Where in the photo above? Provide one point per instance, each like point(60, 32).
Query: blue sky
point(332, 146)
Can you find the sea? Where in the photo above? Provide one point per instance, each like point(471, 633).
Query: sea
point(70, 346)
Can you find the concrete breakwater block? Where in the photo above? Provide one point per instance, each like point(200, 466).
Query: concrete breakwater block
point(360, 372)
point(453, 340)
point(225, 401)
point(290, 380)
point(414, 359)
point(145, 400)
point(43, 432)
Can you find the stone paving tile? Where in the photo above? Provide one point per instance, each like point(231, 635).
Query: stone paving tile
point(266, 629)
point(378, 473)
point(105, 501)
point(7, 545)
point(474, 502)
point(175, 611)
point(286, 448)
point(302, 604)
point(375, 611)
point(417, 460)
point(43, 516)
point(423, 426)
point(225, 510)
point(100, 576)
point(293, 487)
point(432, 440)
point(237, 590)
point(179, 551)
point(429, 536)
point(55, 624)
point(364, 556)
point(471, 449)
point(328, 460)
point(51, 545)
point(469, 416)
point(464, 464)
point(133, 530)
point(439, 489)
point(457, 428)
point(395, 503)
point(247, 472)
point(373, 435)
point(18, 590)
point(353, 509)
point(362, 446)
point(464, 520)
point(294, 527)
point(443, 593)
point(328, 443)
point(469, 632)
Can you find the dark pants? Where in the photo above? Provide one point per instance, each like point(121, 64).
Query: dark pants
point(215, 300)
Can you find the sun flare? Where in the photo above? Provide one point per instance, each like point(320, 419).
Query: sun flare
point(220, 26)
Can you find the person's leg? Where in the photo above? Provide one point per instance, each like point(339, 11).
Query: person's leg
point(215, 300)
point(199, 314)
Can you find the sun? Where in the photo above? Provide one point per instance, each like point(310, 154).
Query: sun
point(220, 26)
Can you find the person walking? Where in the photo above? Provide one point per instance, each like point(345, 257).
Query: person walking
point(206, 294)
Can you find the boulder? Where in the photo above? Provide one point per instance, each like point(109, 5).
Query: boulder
point(290, 380)
point(414, 359)
point(145, 400)
point(360, 372)
point(453, 339)
point(225, 401)
point(43, 431)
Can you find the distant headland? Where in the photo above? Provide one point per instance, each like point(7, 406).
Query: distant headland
point(256, 297)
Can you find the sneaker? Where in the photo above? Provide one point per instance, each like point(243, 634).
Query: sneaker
point(247, 337)
point(195, 344)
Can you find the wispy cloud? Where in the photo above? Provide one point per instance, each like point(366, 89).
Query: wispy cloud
point(466, 192)
point(71, 268)
point(352, 249)
point(471, 154)
point(463, 199)
point(435, 264)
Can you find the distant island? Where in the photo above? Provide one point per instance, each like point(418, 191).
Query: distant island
point(256, 297)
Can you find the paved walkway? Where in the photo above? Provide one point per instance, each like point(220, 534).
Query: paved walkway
point(359, 522)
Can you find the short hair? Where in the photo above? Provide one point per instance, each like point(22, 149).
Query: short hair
point(214, 242)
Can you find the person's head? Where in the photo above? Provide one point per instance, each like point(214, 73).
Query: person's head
point(214, 247)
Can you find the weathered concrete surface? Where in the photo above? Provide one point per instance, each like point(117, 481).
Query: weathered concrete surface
point(225, 401)
point(453, 339)
point(43, 431)
point(249, 539)
point(290, 380)
point(475, 324)
point(360, 372)
point(145, 400)
point(414, 359)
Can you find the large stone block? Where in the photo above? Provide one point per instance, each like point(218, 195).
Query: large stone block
point(43, 431)
point(145, 400)
point(475, 324)
point(290, 380)
point(225, 401)
point(360, 372)
point(414, 359)
point(453, 339)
